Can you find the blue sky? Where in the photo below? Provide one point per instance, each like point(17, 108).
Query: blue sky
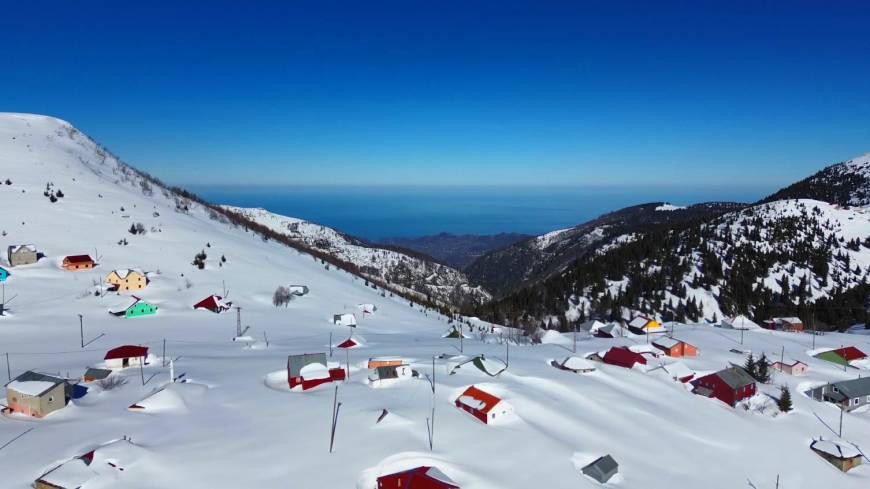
point(465, 92)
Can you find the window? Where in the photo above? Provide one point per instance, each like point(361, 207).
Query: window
point(835, 388)
point(856, 401)
point(50, 398)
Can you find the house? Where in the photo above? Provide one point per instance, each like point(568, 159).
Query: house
point(679, 371)
point(137, 309)
point(454, 332)
point(298, 290)
point(308, 370)
point(839, 455)
point(18, 255)
point(739, 322)
point(847, 394)
point(96, 374)
point(795, 368)
point(346, 319)
point(601, 469)
point(791, 324)
point(126, 356)
point(101, 467)
point(417, 478)
point(606, 331)
point(74, 263)
point(37, 395)
point(644, 325)
point(488, 366)
point(126, 280)
point(483, 405)
point(214, 303)
point(367, 308)
point(842, 356)
point(675, 348)
point(348, 343)
point(730, 385)
point(391, 372)
point(385, 362)
point(623, 357)
point(4, 274)
point(574, 364)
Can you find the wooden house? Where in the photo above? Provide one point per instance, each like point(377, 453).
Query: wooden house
point(730, 385)
point(37, 395)
point(644, 325)
point(367, 308)
point(574, 364)
point(790, 324)
point(126, 280)
point(308, 370)
point(18, 255)
point(126, 356)
point(482, 405)
point(417, 478)
point(138, 308)
point(75, 263)
point(101, 467)
point(346, 319)
point(848, 395)
point(841, 456)
point(675, 348)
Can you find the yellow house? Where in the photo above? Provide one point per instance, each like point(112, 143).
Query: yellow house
point(643, 324)
point(126, 280)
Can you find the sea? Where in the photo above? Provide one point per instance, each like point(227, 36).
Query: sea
point(377, 212)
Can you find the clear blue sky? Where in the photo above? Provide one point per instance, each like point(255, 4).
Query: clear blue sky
point(465, 92)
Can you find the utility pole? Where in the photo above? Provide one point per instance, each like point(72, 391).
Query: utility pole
point(574, 349)
point(507, 362)
point(330, 344)
point(841, 420)
point(163, 359)
point(238, 321)
point(347, 361)
point(781, 358)
point(142, 369)
point(82, 330)
point(335, 407)
point(741, 335)
point(9, 370)
point(266, 338)
point(461, 335)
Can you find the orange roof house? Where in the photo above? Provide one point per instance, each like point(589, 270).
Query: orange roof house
point(675, 348)
point(74, 263)
point(483, 405)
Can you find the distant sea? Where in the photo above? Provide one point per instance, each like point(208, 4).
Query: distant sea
point(376, 212)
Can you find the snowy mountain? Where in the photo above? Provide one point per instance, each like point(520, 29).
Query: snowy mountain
point(415, 273)
point(538, 258)
point(230, 419)
point(846, 183)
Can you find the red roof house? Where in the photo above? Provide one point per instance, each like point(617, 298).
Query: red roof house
point(308, 370)
point(483, 405)
point(417, 478)
point(213, 303)
point(77, 262)
point(126, 356)
point(675, 348)
point(730, 385)
point(850, 353)
point(623, 357)
point(348, 343)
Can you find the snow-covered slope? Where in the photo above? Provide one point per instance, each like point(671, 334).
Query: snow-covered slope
point(235, 424)
point(440, 282)
point(844, 183)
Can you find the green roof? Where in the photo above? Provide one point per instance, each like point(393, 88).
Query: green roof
point(833, 357)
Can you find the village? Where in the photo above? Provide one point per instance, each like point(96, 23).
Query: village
point(149, 343)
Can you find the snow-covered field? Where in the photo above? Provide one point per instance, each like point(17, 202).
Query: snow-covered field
point(236, 424)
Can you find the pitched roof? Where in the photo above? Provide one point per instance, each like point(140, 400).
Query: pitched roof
point(605, 464)
point(639, 322)
point(854, 388)
point(478, 399)
point(850, 353)
point(834, 448)
point(78, 258)
point(421, 472)
point(295, 363)
point(31, 381)
point(666, 342)
point(735, 377)
point(97, 373)
point(126, 351)
point(17, 248)
point(122, 273)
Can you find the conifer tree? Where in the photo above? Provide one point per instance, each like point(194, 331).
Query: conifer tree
point(762, 373)
point(784, 399)
point(750, 366)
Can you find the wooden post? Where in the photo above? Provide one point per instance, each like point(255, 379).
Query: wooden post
point(841, 419)
point(781, 358)
point(9, 369)
point(142, 369)
point(266, 338)
point(81, 330)
point(335, 407)
point(461, 335)
point(507, 362)
point(574, 349)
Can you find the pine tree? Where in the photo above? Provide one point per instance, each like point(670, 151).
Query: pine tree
point(750, 366)
point(784, 399)
point(762, 374)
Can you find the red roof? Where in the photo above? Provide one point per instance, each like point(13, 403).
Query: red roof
point(212, 303)
point(127, 351)
point(418, 477)
point(78, 259)
point(489, 401)
point(850, 353)
point(348, 343)
point(623, 357)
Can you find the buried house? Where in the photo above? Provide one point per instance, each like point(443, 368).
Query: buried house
point(601, 469)
point(308, 370)
point(675, 348)
point(36, 395)
point(730, 385)
point(138, 308)
point(18, 255)
point(126, 280)
point(214, 303)
point(99, 467)
point(482, 405)
point(842, 356)
point(417, 478)
point(839, 455)
point(298, 290)
point(126, 356)
point(75, 263)
point(623, 357)
point(346, 319)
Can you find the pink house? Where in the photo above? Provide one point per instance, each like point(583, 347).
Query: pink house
point(795, 368)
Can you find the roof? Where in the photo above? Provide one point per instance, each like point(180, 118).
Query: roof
point(97, 373)
point(850, 353)
point(478, 399)
point(854, 388)
point(735, 377)
point(791, 320)
point(32, 387)
point(666, 342)
point(639, 322)
point(833, 448)
point(424, 471)
point(577, 363)
point(70, 474)
point(122, 273)
point(78, 258)
point(211, 302)
point(126, 351)
point(23, 247)
point(605, 464)
point(348, 343)
point(295, 363)
point(741, 322)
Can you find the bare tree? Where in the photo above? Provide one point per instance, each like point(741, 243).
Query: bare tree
point(282, 296)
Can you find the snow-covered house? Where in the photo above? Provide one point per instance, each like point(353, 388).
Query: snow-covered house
point(730, 385)
point(34, 394)
point(454, 332)
point(75, 263)
point(126, 356)
point(95, 374)
point(346, 319)
point(842, 356)
point(739, 322)
point(483, 405)
point(644, 325)
point(601, 469)
point(574, 364)
point(98, 467)
point(389, 372)
point(489, 366)
point(623, 357)
point(298, 290)
point(367, 308)
point(417, 478)
point(18, 255)
point(607, 331)
point(308, 370)
point(839, 455)
point(847, 394)
point(214, 303)
point(4, 274)
point(796, 368)
point(675, 348)
point(126, 280)
point(137, 308)
point(792, 324)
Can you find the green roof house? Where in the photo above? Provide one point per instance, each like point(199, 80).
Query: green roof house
point(136, 309)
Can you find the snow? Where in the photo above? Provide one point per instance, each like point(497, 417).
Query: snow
point(839, 450)
point(30, 387)
point(314, 371)
point(472, 402)
point(669, 207)
point(246, 430)
point(577, 363)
